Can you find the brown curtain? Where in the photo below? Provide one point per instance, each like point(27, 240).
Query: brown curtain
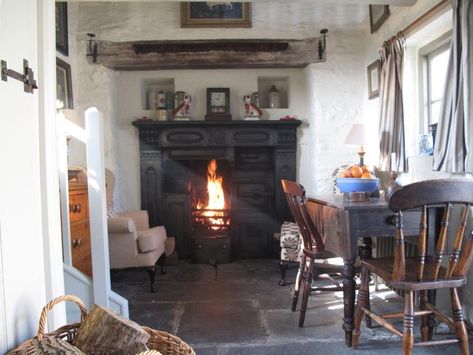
point(453, 151)
point(391, 119)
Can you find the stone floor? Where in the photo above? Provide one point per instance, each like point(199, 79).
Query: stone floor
point(238, 308)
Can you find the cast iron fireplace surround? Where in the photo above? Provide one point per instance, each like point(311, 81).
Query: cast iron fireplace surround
point(257, 154)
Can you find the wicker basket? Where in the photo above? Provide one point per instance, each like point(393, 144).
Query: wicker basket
point(165, 343)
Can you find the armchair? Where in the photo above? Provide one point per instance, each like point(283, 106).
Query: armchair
point(132, 243)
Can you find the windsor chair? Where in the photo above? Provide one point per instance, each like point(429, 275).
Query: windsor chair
point(313, 249)
point(425, 272)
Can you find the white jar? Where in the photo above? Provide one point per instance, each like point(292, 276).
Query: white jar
point(274, 97)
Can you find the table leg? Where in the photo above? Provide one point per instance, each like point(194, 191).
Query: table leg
point(348, 299)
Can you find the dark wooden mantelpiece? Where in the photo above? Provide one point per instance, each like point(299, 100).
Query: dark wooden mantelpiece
point(209, 54)
point(259, 153)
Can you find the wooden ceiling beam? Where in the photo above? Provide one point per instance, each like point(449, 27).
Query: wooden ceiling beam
point(209, 54)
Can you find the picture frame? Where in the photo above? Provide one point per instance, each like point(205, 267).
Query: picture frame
point(202, 14)
point(63, 85)
point(218, 104)
point(374, 74)
point(378, 15)
point(62, 43)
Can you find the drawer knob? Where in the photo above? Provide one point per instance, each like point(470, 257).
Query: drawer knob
point(76, 242)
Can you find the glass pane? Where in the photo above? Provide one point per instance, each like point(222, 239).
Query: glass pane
point(435, 111)
point(438, 72)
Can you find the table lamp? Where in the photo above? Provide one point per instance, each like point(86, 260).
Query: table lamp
point(357, 136)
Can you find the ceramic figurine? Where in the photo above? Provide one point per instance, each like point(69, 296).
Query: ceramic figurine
point(252, 111)
point(182, 110)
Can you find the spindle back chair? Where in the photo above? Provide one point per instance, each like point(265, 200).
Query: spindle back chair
point(425, 272)
point(312, 247)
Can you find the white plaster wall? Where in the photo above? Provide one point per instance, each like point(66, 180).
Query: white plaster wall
point(336, 102)
point(327, 96)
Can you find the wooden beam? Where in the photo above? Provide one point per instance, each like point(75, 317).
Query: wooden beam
point(208, 54)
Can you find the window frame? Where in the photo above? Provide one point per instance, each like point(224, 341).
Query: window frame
point(426, 54)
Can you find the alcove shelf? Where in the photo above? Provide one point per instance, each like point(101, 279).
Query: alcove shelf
point(161, 84)
point(265, 83)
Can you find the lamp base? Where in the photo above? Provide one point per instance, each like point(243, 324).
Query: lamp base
point(356, 196)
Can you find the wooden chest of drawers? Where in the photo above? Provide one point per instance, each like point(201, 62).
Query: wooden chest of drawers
point(80, 231)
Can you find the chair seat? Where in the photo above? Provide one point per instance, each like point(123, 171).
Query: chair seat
point(383, 267)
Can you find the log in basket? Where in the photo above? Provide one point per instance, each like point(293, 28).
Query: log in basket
point(165, 343)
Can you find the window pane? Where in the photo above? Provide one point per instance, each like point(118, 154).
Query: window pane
point(438, 72)
point(435, 111)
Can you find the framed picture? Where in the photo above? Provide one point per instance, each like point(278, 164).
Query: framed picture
point(62, 44)
point(218, 104)
point(63, 85)
point(215, 14)
point(374, 70)
point(378, 14)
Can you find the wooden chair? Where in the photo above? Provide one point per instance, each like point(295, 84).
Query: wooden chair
point(312, 249)
point(425, 273)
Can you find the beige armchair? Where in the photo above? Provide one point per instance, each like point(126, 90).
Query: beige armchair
point(132, 243)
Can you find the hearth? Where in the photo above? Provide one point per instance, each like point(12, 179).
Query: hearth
point(252, 157)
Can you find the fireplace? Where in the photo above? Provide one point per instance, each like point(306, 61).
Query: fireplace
point(251, 158)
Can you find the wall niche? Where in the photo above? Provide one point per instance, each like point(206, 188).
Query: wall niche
point(281, 83)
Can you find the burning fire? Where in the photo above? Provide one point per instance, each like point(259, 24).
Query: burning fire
point(216, 196)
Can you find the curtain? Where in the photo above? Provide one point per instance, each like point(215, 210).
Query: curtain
point(391, 121)
point(453, 150)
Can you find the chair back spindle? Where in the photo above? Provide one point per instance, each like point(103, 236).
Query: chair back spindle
point(465, 259)
point(423, 195)
point(399, 269)
point(422, 242)
point(441, 241)
point(457, 242)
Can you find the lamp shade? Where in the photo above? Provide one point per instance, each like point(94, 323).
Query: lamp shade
point(357, 135)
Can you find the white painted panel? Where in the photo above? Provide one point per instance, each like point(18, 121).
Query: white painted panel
point(97, 207)
point(20, 203)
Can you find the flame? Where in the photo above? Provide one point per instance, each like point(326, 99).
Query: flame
point(216, 195)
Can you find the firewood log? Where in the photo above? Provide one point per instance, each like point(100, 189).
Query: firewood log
point(106, 332)
point(54, 346)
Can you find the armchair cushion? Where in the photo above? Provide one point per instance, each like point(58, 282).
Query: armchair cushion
point(121, 225)
point(147, 243)
point(150, 239)
point(139, 217)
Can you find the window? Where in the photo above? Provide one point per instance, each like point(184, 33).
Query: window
point(434, 59)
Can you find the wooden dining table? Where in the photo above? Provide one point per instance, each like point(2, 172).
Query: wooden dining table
point(348, 228)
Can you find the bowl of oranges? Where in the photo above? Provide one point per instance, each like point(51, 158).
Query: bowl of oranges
point(357, 178)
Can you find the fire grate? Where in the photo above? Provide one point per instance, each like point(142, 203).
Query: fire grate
point(211, 222)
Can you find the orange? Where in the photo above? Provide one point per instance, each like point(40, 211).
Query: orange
point(356, 171)
point(366, 175)
point(365, 169)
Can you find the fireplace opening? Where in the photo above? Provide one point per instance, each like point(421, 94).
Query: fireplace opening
point(207, 185)
point(210, 204)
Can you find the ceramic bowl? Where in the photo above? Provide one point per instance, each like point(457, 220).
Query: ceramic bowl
point(357, 185)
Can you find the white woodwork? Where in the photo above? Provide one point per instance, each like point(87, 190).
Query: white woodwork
point(51, 217)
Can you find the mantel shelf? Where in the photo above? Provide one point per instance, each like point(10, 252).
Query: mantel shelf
point(209, 54)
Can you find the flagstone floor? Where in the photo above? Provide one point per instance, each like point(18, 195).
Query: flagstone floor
point(239, 308)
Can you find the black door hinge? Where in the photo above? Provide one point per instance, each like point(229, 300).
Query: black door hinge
point(27, 78)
